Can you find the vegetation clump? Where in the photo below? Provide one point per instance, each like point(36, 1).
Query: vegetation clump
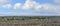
point(21, 18)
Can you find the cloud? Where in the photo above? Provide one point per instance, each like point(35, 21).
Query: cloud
point(57, 1)
point(33, 5)
point(17, 14)
point(5, 4)
point(47, 8)
point(28, 5)
point(24, 14)
point(17, 6)
point(9, 6)
point(4, 1)
point(50, 8)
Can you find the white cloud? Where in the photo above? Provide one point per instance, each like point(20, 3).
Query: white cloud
point(27, 5)
point(17, 14)
point(51, 8)
point(17, 6)
point(57, 1)
point(7, 6)
point(33, 5)
point(25, 14)
point(4, 1)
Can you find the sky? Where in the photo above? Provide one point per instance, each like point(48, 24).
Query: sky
point(29, 7)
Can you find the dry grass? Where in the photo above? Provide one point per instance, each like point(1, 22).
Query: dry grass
point(29, 21)
point(45, 22)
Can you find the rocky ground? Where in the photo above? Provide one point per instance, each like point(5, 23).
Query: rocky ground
point(49, 22)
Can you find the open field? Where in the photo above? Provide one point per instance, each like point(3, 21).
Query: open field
point(30, 21)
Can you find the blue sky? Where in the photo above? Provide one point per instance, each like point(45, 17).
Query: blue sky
point(29, 8)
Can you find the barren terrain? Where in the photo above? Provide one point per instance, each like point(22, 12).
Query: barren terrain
point(45, 22)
